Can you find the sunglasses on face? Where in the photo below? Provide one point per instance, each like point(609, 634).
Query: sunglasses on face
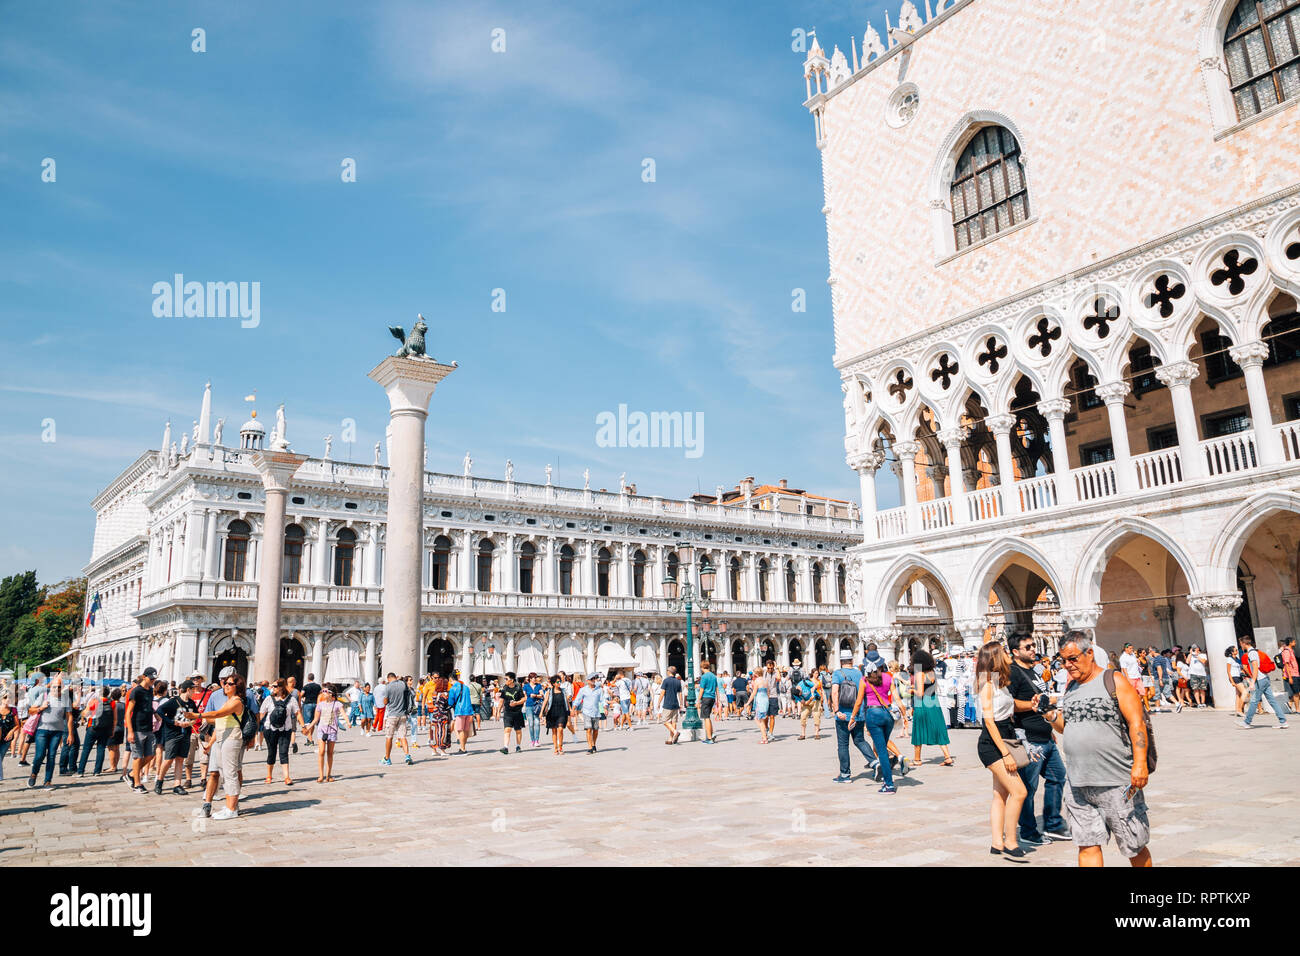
point(1071, 660)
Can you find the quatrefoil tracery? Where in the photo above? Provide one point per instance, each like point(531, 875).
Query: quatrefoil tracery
point(900, 386)
point(1104, 313)
point(946, 370)
point(1234, 271)
point(1046, 335)
point(1166, 291)
point(993, 354)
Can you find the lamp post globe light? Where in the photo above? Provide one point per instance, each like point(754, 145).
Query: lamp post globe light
point(687, 597)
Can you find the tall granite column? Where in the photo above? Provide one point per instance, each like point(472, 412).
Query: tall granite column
point(276, 468)
point(410, 383)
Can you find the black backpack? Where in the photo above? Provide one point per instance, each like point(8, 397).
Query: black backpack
point(103, 718)
point(279, 712)
point(847, 697)
point(248, 723)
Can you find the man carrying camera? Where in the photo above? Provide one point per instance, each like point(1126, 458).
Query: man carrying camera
point(1030, 693)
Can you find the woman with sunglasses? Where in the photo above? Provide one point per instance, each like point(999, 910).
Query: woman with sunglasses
point(227, 754)
point(555, 707)
point(328, 715)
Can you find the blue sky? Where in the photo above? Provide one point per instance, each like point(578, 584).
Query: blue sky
point(476, 171)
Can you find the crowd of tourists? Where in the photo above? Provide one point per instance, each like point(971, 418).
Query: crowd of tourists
point(1077, 724)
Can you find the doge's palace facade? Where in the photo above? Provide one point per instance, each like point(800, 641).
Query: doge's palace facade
point(1076, 230)
point(516, 576)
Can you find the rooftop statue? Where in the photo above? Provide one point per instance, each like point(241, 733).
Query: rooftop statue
point(413, 344)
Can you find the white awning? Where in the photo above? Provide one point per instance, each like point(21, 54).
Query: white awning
point(647, 658)
point(343, 666)
point(611, 655)
point(572, 659)
point(529, 657)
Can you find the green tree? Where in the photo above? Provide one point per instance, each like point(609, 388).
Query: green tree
point(19, 597)
point(48, 631)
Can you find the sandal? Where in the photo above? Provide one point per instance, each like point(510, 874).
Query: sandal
point(948, 763)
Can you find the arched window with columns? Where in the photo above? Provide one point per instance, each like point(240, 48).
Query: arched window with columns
point(791, 582)
point(763, 571)
point(527, 561)
point(236, 564)
point(345, 549)
point(602, 572)
point(566, 569)
point(484, 577)
point(638, 573)
point(817, 583)
point(1261, 46)
point(294, 537)
point(441, 563)
point(841, 585)
point(733, 578)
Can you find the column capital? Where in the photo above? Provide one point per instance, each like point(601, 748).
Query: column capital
point(1210, 606)
point(1113, 393)
point(409, 382)
point(1291, 600)
point(953, 436)
point(1081, 618)
point(907, 449)
point(1164, 612)
point(1001, 424)
point(971, 629)
point(1178, 373)
point(1249, 354)
point(1054, 409)
point(867, 461)
point(276, 468)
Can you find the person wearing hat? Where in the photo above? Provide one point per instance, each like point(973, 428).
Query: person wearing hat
point(139, 728)
point(588, 702)
point(848, 726)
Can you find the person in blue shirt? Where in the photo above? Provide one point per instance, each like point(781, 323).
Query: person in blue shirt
point(708, 697)
point(843, 697)
point(462, 712)
point(533, 692)
point(589, 701)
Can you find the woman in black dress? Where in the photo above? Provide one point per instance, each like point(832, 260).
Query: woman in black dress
point(556, 710)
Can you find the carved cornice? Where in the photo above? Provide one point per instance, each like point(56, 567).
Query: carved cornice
point(1081, 618)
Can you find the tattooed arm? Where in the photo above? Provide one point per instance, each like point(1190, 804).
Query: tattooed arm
point(1130, 708)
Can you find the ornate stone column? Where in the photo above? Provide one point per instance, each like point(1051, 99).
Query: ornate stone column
point(1055, 410)
point(1113, 394)
point(1001, 426)
point(203, 655)
point(951, 439)
point(866, 465)
point(1250, 356)
point(370, 567)
point(907, 452)
point(409, 384)
point(663, 655)
point(318, 655)
point(320, 553)
point(972, 632)
point(1178, 377)
point(551, 654)
point(211, 548)
point(1217, 612)
point(1165, 615)
point(276, 469)
point(193, 546)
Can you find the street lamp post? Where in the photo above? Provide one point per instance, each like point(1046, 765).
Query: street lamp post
point(687, 596)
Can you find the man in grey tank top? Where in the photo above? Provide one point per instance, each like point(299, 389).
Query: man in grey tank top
point(1105, 744)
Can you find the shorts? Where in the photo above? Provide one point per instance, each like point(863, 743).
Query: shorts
point(731, 698)
point(809, 708)
point(177, 748)
point(144, 746)
point(706, 707)
point(464, 724)
point(670, 713)
point(1295, 685)
point(1137, 685)
point(513, 718)
point(1197, 683)
point(328, 733)
point(1098, 812)
point(742, 699)
point(591, 723)
point(1241, 680)
point(395, 726)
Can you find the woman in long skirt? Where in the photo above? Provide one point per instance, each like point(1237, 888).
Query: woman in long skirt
point(555, 708)
point(929, 729)
point(367, 710)
point(439, 716)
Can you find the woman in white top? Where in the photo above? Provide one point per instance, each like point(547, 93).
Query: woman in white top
point(1181, 695)
point(1197, 675)
point(992, 681)
point(1234, 675)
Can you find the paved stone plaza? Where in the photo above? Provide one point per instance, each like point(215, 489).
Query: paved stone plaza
point(1222, 796)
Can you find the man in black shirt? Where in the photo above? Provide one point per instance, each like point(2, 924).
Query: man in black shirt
point(512, 712)
point(139, 727)
point(740, 687)
point(1029, 690)
point(671, 691)
point(176, 730)
point(310, 692)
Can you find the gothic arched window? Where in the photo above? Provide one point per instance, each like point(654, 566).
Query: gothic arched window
point(988, 189)
point(1262, 48)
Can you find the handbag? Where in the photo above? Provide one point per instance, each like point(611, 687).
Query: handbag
point(1016, 749)
point(29, 725)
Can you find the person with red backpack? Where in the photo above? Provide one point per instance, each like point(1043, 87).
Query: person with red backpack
point(1255, 668)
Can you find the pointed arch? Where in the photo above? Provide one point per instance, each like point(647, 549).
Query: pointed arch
point(883, 606)
point(1086, 587)
point(993, 563)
